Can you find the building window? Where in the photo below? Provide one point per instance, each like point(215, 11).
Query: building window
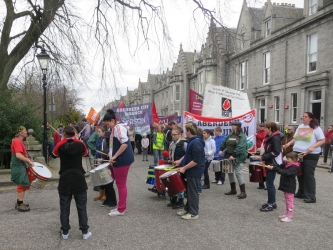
point(268, 26)
point(242, 41)
point(201, 84)
point(312, 53)
point(262, 110)
point(293, 108)
point(267, 64)
point(177, 92)
point(277, 109)
point(208, 76)
point(312, 7)
point(211, 50)
point(242, 75)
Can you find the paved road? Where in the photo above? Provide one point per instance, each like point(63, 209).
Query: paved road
point(225, 222)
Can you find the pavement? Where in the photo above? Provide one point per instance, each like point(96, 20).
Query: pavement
point(225, 222)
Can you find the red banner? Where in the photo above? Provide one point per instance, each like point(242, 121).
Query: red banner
point(154, 112)
point(196, 101)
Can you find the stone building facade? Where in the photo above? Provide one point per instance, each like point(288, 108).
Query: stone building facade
point(282, 56)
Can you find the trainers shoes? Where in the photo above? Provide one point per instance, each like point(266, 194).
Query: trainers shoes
point(87, 235)
point(219, 183)
point(286, 219)
point(115, 212)
point(282, 216)
point(214, 181)
point(65, 236)
point(189, 216)
point(182, 212)
point(22, 208)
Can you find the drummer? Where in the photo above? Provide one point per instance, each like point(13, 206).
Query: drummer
point(235, 145)
point(177, 150)
point(19, 162)
point(72, 181)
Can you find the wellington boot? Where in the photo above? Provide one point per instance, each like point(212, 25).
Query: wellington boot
point(242, 194)
point(103, 198)
point(100, 195)
point(233, 189)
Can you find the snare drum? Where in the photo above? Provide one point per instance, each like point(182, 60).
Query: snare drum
point(159, 170)
point(227, 166)
point(101, 175)
point(257, 172)
point(174, 182)
point(215, 166)
point(151, 176)
point(38, 175)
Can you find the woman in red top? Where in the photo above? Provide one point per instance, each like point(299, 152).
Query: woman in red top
point(328, 137)
point(19, 163)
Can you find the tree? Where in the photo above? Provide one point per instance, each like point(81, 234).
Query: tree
point(49, 20)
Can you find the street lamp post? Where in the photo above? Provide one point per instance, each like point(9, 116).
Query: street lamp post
point(43, 59)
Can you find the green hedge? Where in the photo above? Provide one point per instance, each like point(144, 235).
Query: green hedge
point(14, 114)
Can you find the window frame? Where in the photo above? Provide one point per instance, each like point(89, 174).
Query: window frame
point(266, 73)
point(177, 86)
point(294, 108)
point(268, 28)
point(313, 6)
point(312, 53)
point(242, 78)
point(277, 109)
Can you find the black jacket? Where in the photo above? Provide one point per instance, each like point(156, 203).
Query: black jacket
point(179, 151)
point(273, 148)
point(288, 178)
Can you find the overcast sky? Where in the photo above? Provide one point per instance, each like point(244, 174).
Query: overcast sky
point(182, 31)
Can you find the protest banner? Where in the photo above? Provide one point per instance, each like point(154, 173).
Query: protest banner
point(139, 117)
point(248, 121)
point(92, 116)
point(221, 101)
point(195, 102)
point(168, 119)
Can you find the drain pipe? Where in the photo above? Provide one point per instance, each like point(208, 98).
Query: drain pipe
point(285, 82)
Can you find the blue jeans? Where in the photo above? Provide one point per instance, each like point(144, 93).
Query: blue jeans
point(81, 206)
point(271, 191)
point(157, 155)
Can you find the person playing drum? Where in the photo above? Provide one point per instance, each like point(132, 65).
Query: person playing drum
point(235, 146)
point(177, 150)
point(72, 181)
point(193, 165)
point(121, 157)
point(19, 162)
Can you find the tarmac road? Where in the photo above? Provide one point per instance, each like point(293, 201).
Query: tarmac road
point(225, 222)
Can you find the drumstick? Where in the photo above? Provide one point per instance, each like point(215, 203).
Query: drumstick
point(54, 129)
point(83, 129)
point(101, 152)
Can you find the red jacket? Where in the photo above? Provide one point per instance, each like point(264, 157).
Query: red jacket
point(56, 138)
point(260, 137)
point(328, 137)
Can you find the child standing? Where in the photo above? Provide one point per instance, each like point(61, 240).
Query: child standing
point(288, 183)
point(145, 145)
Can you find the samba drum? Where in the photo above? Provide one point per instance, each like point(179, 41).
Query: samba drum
point(159, 170)
point(255, 158)
point(151, 176)
point(38, 175)
point(174, 182)
point(227, 166)
point(215, 166)
point(257, 172)
point(101, 175)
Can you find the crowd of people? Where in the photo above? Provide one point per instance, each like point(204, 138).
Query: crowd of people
point(287, 153)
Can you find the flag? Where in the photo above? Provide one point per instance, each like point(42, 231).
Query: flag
point(155, 116)
point(93, 116)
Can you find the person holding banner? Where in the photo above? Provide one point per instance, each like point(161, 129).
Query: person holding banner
point(158, 144)
point(121, 157)
point(235, 147)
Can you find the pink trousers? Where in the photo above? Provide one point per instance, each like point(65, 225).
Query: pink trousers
point(120, 176)
point(289, 198)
